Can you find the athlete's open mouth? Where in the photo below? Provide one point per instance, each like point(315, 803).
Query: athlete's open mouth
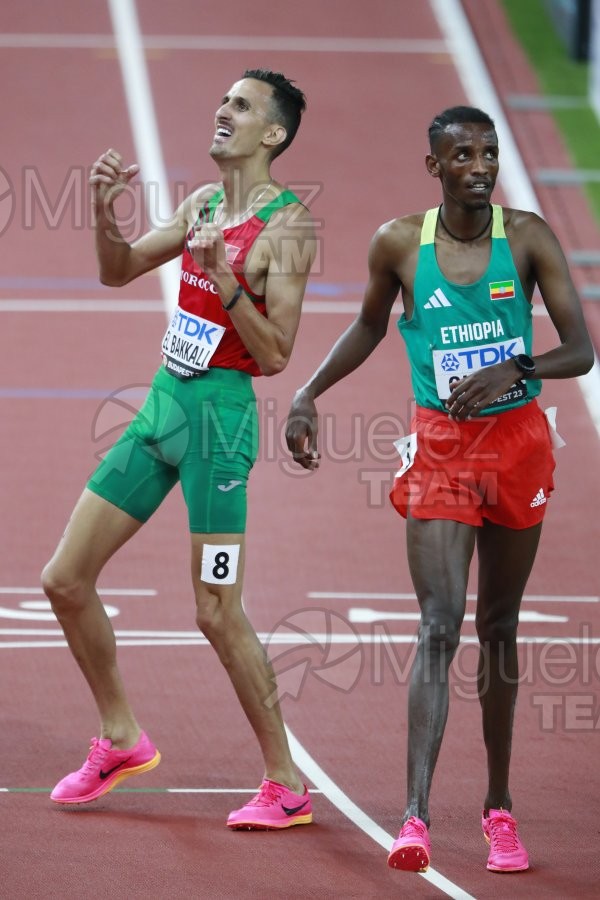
point(223, 132)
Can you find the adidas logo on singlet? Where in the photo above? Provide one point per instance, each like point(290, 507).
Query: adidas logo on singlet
point(539, 498)
point(437, 299)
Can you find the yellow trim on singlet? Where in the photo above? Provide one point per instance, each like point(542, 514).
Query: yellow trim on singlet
point(431, 217)
point(498, 223)
point(428, 228)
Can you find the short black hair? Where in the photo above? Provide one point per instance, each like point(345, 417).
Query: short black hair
point(289, 103)
point(457, 115)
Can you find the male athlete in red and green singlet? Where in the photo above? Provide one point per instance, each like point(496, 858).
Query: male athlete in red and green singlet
point(477, 467)
point(248, 245)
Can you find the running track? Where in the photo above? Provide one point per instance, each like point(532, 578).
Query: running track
point(326, 553)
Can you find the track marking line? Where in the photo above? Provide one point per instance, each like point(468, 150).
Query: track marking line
point(109, 592)
point(216, 42)
point(270, 639)
point(358, 817)
point(148, 790)
point(365, 615)
point(516, 182)
point(366, 595)
point(144, 126)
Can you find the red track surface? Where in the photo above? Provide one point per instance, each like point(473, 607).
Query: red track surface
point(363, 142)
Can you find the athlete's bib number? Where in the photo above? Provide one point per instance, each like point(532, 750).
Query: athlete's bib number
point(189, 343)
point(220, 563)
point(451, 366)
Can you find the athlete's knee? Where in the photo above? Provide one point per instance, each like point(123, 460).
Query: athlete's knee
point(215, 607)
point(209, 613)
point(63, 588)
point(440, 634)
point(497, 630)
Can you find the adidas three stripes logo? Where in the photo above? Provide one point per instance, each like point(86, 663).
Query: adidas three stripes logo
point(437, 299)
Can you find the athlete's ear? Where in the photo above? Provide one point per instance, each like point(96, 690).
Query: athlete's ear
point(433, 166)
point(275, 134)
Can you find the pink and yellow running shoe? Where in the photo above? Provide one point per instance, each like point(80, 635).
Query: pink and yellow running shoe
point(104, 769)
point(275, 806)
point(412, 849)
point(507, 853)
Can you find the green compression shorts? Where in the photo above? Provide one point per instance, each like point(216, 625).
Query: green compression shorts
point(202, 432)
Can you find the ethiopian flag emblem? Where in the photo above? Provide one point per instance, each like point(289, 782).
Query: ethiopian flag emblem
point(502, 290)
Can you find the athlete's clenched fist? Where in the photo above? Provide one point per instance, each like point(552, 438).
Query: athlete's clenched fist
point(108, 178)
point(207, 247)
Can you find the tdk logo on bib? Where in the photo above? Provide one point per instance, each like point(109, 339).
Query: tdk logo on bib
point(449, 362)
point(459, 363)
point(190, 342)
point(194, 327)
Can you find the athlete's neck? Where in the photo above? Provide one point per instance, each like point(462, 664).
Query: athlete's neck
point(465, 225)
point(243, 188)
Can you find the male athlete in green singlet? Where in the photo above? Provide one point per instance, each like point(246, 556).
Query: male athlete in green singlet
point(477, 468)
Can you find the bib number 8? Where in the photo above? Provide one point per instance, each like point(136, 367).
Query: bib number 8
point(220, 563)
point(221, 567)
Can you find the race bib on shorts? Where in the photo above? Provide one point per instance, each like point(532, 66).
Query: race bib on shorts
point(407, 448)
point(189, 343)
point(450, 366)
point(555, 438)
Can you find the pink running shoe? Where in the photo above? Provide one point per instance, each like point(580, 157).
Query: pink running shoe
point(104, 768)
point(275, 806)
point(411, 851)
point(507, 853)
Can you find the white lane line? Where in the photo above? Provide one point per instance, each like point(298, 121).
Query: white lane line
point(364, 616)
point(60, 306)
point(479, 88)
point(516, 183)
point(359, 817)
point(216, 42)
point(145, 130)
point(268, 639)
point(26, 615)
point(109, 592)
point(366, 595)
point(220, 791)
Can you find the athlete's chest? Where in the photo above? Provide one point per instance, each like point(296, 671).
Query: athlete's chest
point(462, 263)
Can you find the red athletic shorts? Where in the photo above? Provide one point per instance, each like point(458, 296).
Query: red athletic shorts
point(493, 467)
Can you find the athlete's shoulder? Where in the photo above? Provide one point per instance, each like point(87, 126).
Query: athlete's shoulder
point(528, 232)
point(521, 220)
point(399, 234)
point(291, 213)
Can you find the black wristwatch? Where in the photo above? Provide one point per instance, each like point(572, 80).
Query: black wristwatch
point(525, 364)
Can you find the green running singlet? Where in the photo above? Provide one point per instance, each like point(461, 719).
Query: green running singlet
point(457, 329)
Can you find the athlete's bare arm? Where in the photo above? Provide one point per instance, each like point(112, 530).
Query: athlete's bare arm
point(278, 266)
point(540, 259)
point(119, 261)
point(389, 245)
point(575, 355)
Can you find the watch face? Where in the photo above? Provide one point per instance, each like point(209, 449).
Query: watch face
point(525, 363)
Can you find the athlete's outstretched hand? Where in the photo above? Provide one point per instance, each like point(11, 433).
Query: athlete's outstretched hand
point(108, 178)
point(302, 430)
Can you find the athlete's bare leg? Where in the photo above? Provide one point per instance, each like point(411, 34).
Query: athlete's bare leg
point(439, 554)
point(506, 557)
point(95, 532)
point(221, 618)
